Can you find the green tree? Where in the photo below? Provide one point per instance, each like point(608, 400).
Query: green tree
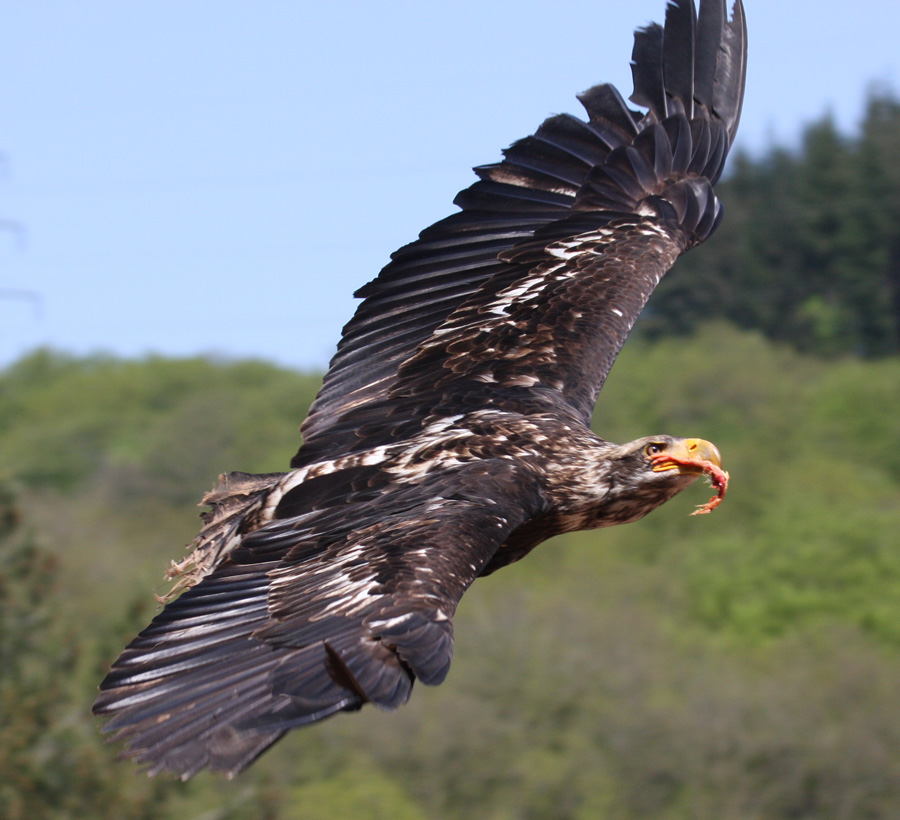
point(809, 251)
point(52, 765)
point(879, 147)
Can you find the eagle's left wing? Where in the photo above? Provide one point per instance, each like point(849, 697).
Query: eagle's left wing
point(317, 612)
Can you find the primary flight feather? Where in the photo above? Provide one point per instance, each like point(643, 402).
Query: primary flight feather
point(451, 434)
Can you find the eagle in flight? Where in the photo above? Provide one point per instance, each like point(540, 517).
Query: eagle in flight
point(452, 432)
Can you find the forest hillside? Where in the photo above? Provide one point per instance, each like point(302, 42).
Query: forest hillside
point(739, 665)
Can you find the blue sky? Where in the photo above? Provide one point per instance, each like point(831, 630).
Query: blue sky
point(218, 177)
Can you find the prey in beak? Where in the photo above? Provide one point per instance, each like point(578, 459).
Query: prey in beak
point(693, 456)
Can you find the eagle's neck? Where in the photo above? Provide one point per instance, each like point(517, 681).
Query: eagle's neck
point(600, 484)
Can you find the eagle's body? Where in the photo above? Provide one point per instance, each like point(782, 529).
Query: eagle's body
point(451, 434)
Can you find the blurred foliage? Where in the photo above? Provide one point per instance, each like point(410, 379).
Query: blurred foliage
point(738, 666)
point(51, 765)
point(809, 251)
point(141, 414)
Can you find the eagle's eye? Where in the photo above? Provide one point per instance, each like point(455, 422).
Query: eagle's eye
point(655, 447)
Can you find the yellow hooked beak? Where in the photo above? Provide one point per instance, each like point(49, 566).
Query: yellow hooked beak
point(687, 456)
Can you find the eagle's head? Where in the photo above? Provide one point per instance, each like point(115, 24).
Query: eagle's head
point(642, 474)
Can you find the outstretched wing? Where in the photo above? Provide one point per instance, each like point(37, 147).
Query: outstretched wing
point(335, 585)
point(345, 602)
point(526, 296)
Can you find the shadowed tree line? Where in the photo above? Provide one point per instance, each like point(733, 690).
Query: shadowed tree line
point(809, 250)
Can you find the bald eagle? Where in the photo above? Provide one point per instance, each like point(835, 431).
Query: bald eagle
point(451, 434)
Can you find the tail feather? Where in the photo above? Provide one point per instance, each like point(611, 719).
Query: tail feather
point(731, 71)
point(609, 116)
point(655, 146)
point(680, 57)
point(711, 22)
point(647, 70)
